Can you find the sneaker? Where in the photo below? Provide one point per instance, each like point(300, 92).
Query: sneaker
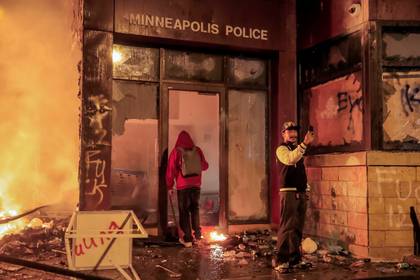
point(282, 268)
point(186, 244)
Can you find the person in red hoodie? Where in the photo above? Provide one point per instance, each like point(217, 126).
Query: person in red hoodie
point(188, 188)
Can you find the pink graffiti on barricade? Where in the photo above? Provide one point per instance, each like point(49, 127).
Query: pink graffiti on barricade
point(91, 243)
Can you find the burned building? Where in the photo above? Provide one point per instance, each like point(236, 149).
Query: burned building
point(209, 68)
point(231, 75)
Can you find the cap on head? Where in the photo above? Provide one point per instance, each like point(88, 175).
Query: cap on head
point(289, 126)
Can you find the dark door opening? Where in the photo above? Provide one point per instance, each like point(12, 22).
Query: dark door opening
point(198, 114)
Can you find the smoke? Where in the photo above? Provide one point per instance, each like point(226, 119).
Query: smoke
point(39, 105)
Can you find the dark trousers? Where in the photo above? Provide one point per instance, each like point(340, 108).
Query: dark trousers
point(189, 213)
point(292, 219)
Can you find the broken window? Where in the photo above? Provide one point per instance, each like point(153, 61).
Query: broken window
point(135, 63)
point(134, 175)
point(132, 100)
point(247, 72)
point(193, 66)
point(248, 195)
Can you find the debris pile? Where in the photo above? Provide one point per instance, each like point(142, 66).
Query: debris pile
point(249, 245)
point(39, 240)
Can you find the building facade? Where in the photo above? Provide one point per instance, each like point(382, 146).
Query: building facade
point(231, 75)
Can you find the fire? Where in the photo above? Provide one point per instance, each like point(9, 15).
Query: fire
point(39, 146)
point(11, 227)
point(215, 236)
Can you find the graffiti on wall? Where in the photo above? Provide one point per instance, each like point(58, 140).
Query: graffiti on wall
point(401, 120)
point(96, 180)
point(397, 196)
point(98, 111)
point(96, 120)
point(336, 111)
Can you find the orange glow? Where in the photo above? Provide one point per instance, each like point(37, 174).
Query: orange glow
point(215, 236)
point(39, 112)
point(12, 226)
point(116, 56)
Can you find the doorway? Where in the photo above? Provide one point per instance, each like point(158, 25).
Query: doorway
point(198, 113)
point(221, 100)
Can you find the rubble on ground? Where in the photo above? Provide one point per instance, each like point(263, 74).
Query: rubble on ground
point(44, 241)
point(41, 239)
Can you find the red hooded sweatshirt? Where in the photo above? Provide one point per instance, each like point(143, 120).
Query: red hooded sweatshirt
point(173, 172)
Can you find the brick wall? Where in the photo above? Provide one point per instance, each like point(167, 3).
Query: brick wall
point(393, 186)
point(338, 204)
point(362, 201)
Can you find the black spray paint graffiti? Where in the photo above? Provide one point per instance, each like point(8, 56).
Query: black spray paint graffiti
point(97, 111)
point(345, 101)
point(410, 97)
point(95, 183)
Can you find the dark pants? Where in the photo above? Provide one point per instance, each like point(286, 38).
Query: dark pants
point(292, 219)
point(189, 214)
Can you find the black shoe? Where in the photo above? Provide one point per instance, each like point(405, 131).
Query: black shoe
point(302, 265)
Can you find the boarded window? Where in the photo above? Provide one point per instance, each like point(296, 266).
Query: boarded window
point(336, 111)
point(401, 48)
point(247, 155)
point(330, 60)
point(134, 175)
point(247, 72)
point(134, 63)
point(193, 66)
point(401, 119)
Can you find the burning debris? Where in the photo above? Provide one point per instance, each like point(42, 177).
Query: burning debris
point(215, 236)
point(39, 239)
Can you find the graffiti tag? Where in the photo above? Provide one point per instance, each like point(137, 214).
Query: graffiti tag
point(91, 243)
point(347, 102)
point(410, 97)
point(97, 111)
point(99, 182)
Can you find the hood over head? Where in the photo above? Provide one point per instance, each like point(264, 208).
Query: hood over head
point(184, 140)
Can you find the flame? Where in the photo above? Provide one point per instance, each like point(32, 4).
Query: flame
point(215, 236)
point(39, 109)
point(13, 226)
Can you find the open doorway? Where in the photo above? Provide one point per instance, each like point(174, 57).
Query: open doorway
point(198, 114)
